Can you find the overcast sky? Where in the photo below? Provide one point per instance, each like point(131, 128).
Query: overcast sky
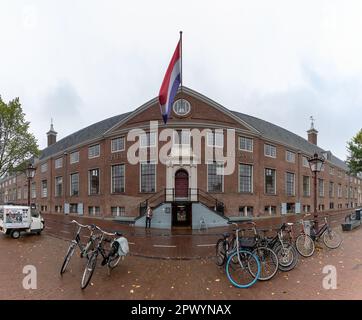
point(83, 61)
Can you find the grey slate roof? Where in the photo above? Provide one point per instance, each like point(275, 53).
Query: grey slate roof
point(267, 130)
point(274, 132)
point(91, 132)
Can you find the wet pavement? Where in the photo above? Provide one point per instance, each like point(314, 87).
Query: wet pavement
point(138, 277)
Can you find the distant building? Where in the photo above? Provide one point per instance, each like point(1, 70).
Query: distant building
point(88, 172)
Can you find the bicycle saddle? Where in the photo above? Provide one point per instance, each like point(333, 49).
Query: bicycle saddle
point(226, 234)
point(117, 233)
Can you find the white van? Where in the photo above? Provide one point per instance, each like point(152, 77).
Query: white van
point(17, 219)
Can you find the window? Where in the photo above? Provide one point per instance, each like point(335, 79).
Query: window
point(74, 184)
point(290, 156)
point(44, 167)
point(93, 151)
point(270, 151)
point(306, 208)
point(94, 211)
point(58, 209)
point(246, 211)
point(181, 107)
point(148, 139)
point(339, 190)
point(214, 180)
point(306, 186)
point(290, 183)
point(331, 205)
point(148, 177)
point(117, 178)
point(58, 186)
point(93, 181)
point(73, 208)
point(321, 187)
point(74, 157)
point(118, 211)
point(44, 208)
point(270, 210)
point(321, 207)
point(270, 181)
point(246, 144)
point(58, 163)
point(331, 170)
point(305, 162)
point(25, 192)
point(331, 189)
point(290, 207)
point(215, 139)
point(117, 144)
point(245, 178)
point(181, 137)
point(44, 189)
point(33, 190)
point(19, 193)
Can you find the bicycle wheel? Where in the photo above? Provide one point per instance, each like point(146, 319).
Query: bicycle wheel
point(220, 252)
point(113, 261)
point(305, 245)
point(332, 239)
point(268, 263)
point(239, 273)
point(287, 256)
point(89, 269)
point(67, 258)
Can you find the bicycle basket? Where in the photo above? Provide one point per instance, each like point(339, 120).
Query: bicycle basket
point(123, 248)
point(247, 242)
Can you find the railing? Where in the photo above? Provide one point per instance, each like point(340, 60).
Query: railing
point(193, 195)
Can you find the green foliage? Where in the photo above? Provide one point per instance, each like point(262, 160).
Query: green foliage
point(17, 144)
point(355, 153)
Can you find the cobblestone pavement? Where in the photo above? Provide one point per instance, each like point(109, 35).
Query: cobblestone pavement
point(144, 278)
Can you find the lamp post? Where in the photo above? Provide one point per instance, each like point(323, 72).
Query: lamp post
point(316, 165)
point(30, 173)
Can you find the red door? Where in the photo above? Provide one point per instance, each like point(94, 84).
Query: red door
point(181, 184)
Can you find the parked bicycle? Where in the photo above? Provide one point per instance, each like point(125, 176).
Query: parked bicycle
point(84, 249)
point(118, 249)
point(305, 242)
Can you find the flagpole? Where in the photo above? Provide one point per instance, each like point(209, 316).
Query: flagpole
point(181, 59)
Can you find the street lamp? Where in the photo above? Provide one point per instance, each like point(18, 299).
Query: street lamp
point(30, 173)
point(316, 165)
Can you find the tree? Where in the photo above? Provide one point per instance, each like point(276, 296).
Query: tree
point(354, 159)
point(17, 144)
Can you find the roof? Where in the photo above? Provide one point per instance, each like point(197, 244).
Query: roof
point(266, 129)
point(91, 132)
point(274, 132)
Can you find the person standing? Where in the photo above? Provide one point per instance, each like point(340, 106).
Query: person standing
point(149, 214)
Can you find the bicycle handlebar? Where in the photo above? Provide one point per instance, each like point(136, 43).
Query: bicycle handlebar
point(80, 225)
point(108, 233)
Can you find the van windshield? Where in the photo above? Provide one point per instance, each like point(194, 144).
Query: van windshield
point(34, 213)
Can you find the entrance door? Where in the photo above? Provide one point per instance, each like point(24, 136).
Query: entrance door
point(181, 184)
point(181, 214)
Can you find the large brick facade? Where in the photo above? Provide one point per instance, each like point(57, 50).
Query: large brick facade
point(204, 114)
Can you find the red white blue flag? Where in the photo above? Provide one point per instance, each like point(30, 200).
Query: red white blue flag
point(170, 84)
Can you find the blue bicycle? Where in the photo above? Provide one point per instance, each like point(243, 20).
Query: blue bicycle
point(242, 265)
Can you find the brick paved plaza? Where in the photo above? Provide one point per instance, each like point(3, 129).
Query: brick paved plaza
point(139, 277)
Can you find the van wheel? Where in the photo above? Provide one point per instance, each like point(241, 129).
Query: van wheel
point(15, 234)
point(38, 233)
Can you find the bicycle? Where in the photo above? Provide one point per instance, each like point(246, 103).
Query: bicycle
point(77, 242)
point(110, 258)
point(331, 238)
point(241, 261)
point(284, 249)
point(304, 243)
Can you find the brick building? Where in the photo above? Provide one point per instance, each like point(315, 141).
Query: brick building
point(90, 173)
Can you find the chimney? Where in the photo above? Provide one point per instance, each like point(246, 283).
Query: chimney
point(52, 135)
point(312, 132)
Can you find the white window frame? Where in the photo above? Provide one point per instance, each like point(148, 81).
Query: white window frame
point(55, 187)
point(271, 147)
point(290, 153)
point(309, 179)
point(124, 178)
point(71, 157)
point(58, 163)
point(152, 142)
point(140, 176)
point(99, 182)
point(207, 176)
point(214, 134)
point(275, 182)
point(246, 138)
point(118, 150)
point(70, 184)
point(42, 166)
point(94, 146)
point(183, 132)
point(286, 184)
point(252, 178)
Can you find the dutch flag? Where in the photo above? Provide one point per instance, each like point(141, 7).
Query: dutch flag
point(170, 83)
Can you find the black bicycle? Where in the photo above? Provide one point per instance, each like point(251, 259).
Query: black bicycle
point(84, 249)
point(111, 257)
